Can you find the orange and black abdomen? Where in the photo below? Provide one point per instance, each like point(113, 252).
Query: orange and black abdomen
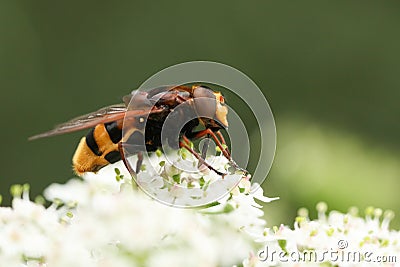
point(98, 148)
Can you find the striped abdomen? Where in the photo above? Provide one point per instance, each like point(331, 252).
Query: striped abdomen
point(99, 148)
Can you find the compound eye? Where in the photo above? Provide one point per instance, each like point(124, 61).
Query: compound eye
point(205, 102)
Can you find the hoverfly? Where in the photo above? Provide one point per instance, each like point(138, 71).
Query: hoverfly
point(118, 129)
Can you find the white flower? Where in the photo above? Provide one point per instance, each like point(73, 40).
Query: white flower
point(103, 221)
point(337, 239)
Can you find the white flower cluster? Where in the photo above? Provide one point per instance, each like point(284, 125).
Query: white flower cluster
point(335, 239)
point(103, 220)
point(175, 179)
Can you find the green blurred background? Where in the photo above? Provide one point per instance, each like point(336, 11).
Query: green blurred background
point(329, 69)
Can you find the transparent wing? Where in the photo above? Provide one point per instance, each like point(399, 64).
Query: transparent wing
point(144, 104)
point(103, 115)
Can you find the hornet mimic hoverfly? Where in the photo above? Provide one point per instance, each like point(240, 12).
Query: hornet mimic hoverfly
point(118, 128)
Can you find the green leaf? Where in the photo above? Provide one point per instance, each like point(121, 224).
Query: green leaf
point(176, 178)
point(118, 176)
point(228, 208)
point(282, 245)
point(212, 204)
point(206, 185)
point(202, 182)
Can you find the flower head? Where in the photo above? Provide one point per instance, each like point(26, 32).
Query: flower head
point(102, 220)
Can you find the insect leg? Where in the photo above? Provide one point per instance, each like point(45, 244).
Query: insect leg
point(217, 141)
point(204, 151)
point(187, 141)
point(139, 161)
point(181, 144)
point(121, 147)
point(221, 137)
